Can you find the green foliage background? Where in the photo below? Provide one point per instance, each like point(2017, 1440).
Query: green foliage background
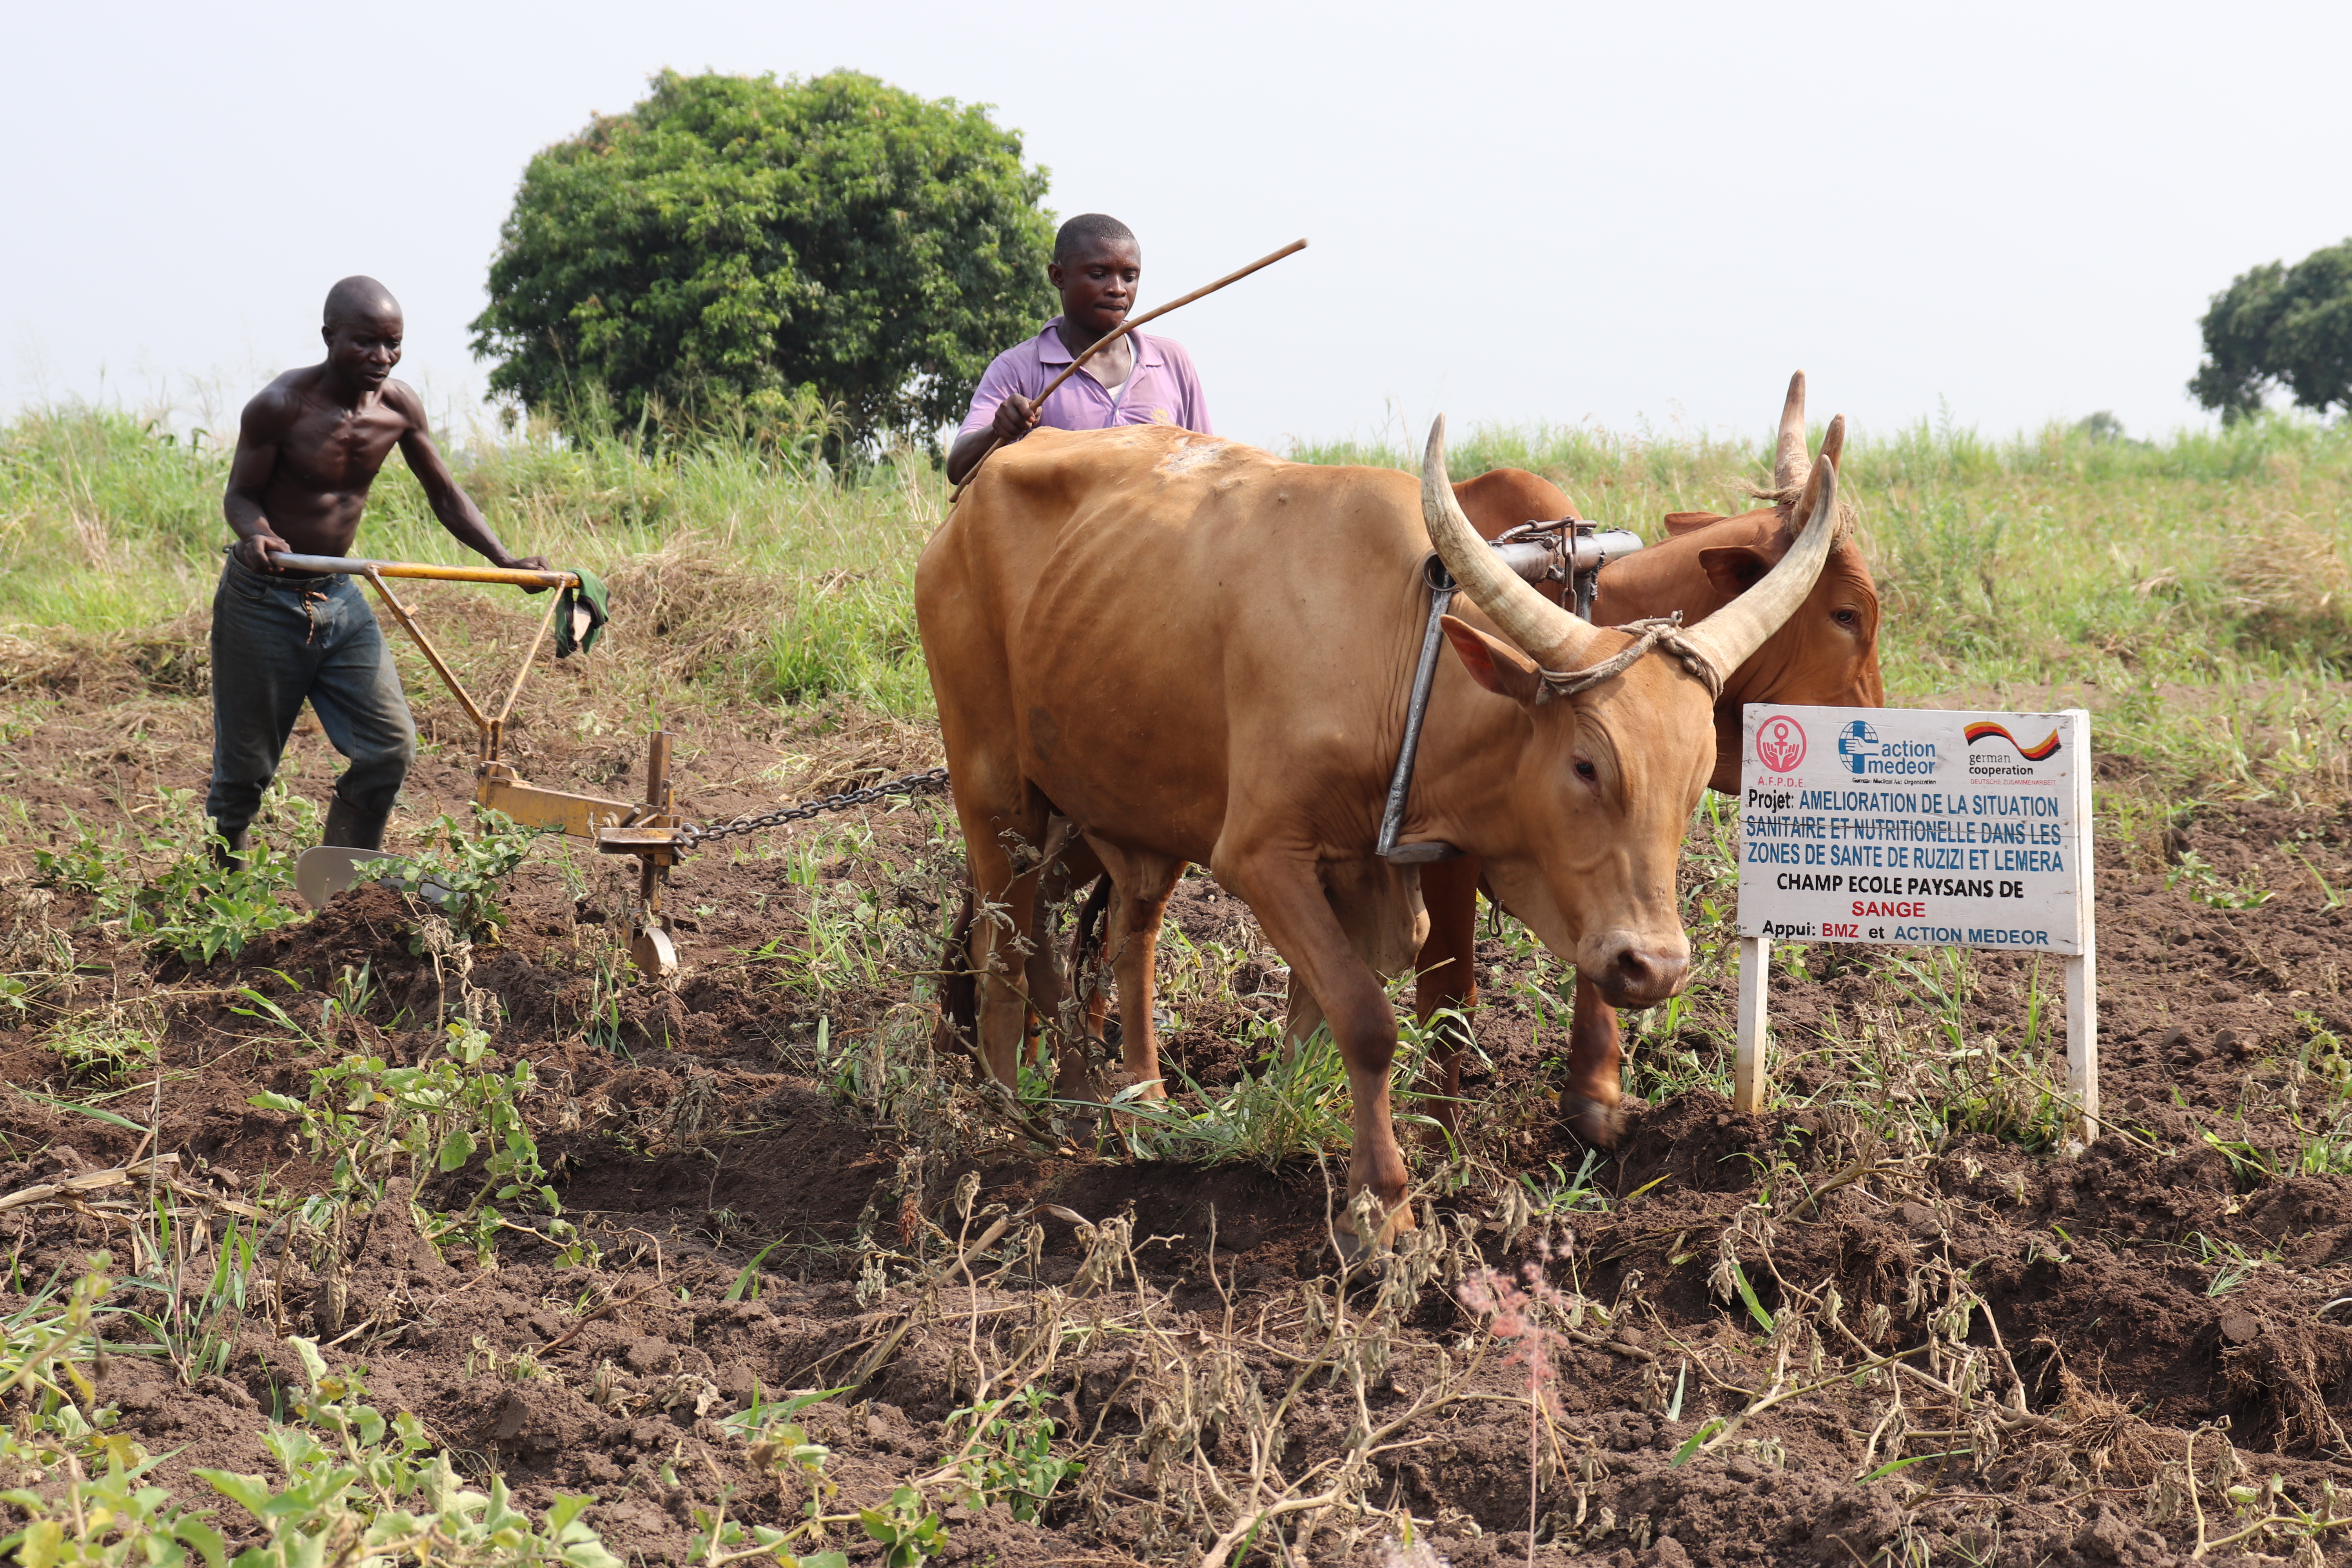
point(771, 253)
point(2285, 326)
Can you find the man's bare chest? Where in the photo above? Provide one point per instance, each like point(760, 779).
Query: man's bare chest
point(335, 448)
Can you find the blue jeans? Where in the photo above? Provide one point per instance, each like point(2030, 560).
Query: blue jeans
point(278, 641)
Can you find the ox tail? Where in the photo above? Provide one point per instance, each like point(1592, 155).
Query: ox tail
point(958, 1028)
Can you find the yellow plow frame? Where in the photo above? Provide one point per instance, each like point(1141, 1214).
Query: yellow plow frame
point(647, 829)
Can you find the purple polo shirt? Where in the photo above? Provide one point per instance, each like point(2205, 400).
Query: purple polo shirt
point(1162, 389)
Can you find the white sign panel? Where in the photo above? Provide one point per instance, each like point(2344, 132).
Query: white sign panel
point(1916, 826)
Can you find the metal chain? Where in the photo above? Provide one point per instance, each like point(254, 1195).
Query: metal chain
point(906, 783)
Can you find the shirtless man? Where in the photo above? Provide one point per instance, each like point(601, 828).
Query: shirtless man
point(307, 449)
point(1139, 379)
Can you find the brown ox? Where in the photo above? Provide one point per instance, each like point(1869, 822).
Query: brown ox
point(1195, 652)
point(1825, 653)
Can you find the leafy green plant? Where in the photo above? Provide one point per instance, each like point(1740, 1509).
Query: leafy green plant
point(2232, 1265)
point(373, 1120)
point(109, 1520)
point(907, 1528)
point(1564, 1193)
point(778, 1443)
point(53, 1408)
point(90, 864)
point(1293, 1104)
point(102, 1049)
point(197, 907)
point(356, 1486)
point(1013, 1460)
point(2192, 875)
point(461, 873)
point(719, 1540)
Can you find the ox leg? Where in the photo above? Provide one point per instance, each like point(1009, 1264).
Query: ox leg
point(1290, 904)
point(1087, 998)
point(1144, 882)
point(1004, 915)
point(1004, 1010)
point(957, 1028)
point(1045, 974)
point(1446, 976)
point(1595, 1062)
point(1379, 909)
point(1087, 962)
point(1305, 1015)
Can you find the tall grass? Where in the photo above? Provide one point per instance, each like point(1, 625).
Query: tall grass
point(2197, 589)
point(109, 525)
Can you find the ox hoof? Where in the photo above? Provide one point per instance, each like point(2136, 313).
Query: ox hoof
point(1348, 1236)
point(1599, 1125)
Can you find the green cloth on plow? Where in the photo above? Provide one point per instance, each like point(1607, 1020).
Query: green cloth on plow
point(580, 619)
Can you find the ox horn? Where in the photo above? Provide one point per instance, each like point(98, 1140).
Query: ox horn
point(1732, 635)
point(1790, 460)
point(1543, 631)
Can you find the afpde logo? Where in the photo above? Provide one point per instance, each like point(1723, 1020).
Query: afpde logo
point(1781, 744)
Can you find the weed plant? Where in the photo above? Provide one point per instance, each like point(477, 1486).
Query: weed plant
point(460, 872)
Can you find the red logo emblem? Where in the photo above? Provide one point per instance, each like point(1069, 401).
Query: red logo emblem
point(1779, 745)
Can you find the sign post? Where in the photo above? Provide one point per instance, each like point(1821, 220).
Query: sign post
point(1917, 828)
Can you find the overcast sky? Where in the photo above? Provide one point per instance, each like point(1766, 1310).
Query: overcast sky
point(1518, 212)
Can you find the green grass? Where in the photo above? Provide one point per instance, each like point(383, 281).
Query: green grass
point(800, 582)
point(2195, 591)
point(2051, 558)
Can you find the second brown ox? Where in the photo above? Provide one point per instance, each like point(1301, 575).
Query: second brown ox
point(1195, 652)
point(1825, 653)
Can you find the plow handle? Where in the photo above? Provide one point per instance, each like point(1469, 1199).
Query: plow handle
point(427, 569)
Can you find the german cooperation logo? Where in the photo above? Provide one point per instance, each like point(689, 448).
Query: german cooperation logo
point(1781, 744)
point(1983, 764)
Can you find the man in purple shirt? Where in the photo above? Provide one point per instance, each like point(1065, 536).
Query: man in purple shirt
point(1139, 380)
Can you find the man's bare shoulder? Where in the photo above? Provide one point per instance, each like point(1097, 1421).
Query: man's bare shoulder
point(402, 399)
point(277, 405)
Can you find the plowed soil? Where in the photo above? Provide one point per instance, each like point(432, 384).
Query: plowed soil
point(2179, 1276)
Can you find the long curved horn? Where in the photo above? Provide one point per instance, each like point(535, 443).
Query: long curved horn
point(1790, 461)
point(1732, 635)
point(1543, 631)
point(1833, 447)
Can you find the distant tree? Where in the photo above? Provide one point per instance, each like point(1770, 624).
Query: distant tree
point(2280, 325)
point(741, 247)
point(2101, 426)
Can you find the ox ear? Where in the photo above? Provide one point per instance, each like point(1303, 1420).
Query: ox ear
point(1735, 568)
point(1494, 663)
point(1681, 522)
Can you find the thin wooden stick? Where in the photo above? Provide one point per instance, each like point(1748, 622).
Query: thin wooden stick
point(1293, 249)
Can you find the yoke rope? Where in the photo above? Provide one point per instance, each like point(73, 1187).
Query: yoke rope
point(1659, 632)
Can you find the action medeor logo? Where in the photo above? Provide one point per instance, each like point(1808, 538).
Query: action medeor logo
point(1857, 744)
point(1781, 744)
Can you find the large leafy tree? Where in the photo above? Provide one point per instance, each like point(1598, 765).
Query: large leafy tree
point(2283, 326)
point(732, 244)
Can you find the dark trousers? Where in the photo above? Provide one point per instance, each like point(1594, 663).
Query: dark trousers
point(278, 641)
